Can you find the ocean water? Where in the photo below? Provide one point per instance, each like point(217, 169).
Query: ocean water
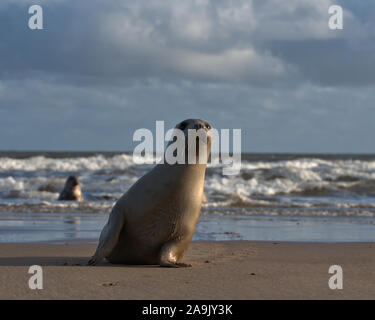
point(275, 197)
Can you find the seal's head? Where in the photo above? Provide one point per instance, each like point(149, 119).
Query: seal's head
point(198, 135)
point(72, 190)
point(195, 124)
point(72, 181)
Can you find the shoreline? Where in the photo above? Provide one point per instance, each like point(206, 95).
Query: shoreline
point(95, 242)
point(60, 227)
point(221, 270)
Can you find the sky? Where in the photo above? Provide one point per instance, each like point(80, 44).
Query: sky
point(99, 70)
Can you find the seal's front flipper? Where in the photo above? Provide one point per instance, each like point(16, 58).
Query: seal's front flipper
point(169, 255)
point(108, 237)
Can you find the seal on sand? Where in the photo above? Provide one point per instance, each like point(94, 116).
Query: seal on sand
point(154, 221)
point(72, 190)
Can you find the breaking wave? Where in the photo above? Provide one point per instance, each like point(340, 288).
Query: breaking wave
point(297, 185)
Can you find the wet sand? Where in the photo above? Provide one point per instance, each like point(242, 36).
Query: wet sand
point(221, 270)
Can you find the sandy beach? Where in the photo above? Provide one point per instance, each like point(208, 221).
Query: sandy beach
point(221, 270)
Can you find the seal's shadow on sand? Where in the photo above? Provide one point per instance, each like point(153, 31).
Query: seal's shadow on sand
point(61, 262)
point(78, 256)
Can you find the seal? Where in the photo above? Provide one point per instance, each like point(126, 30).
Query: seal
point(154, 221)
point(72, 190)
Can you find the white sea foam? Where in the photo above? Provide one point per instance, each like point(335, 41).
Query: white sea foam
point(11, 183)
point(93, 163)
point(300, 183)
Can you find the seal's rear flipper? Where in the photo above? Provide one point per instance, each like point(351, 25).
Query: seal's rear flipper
point(170, 254)
point(176, 265)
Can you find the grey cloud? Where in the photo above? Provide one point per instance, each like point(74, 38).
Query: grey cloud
point(102, 69)
point(88, 118)
point(202, 41)
point(331, 62)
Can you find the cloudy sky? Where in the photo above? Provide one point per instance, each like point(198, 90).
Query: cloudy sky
point(101, 69)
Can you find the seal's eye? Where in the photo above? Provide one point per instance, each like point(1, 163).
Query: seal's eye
point(182, 125)
point(208, 126)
